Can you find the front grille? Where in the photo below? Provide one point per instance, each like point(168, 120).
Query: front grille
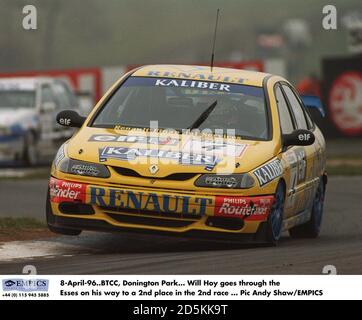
point(76, 208)
point(181, 176)
point(226, 223)
point(149, 221)
point(152, 214)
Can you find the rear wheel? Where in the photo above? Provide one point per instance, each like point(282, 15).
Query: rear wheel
point(312, 227)
point(51, 220)
point(275, 219)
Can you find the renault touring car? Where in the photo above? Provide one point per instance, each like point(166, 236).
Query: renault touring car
point(185, 150)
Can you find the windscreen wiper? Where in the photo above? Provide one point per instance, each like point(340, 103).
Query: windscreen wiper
point(203, 116)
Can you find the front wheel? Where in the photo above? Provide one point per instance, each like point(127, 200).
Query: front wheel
point(30, 154)
point(311, 228)
point(275, 219)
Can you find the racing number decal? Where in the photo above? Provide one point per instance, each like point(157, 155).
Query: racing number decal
point(298, 170)
point(302, 164)
point(293, 165)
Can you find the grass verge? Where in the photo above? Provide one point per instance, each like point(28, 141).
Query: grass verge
point(347, 166)
point(21, 223)
point(18, 229)
point(344, 170)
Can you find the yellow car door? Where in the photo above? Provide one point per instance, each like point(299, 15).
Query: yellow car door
point(301, 158)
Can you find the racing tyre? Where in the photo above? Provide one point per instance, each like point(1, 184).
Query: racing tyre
point(30, 154)
point(51, 220)
point(275, 219)
point(312, 227)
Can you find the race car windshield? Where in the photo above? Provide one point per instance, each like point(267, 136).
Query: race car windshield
point(15, 99)
point(178, 103)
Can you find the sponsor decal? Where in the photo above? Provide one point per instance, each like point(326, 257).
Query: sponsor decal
point(26, 285)
point(298, 164)
point(252, 208)
point(134, 139)
point(269, 172)
point(66, 191)
point(220, 181)
point(192, 84)
point(128, 199)
point(121, 153)
point(198, 76)
point(198, 84)
point(65, 121)
point(302, 164)
point(217, 147)
point(85, 170)
point(304, 137)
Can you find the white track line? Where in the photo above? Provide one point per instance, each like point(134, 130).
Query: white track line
point(31, 249)
point(21, 172)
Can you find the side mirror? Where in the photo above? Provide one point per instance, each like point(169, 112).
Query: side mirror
point(298, 137)
point(48, 106)
point(313, 102)
point(70, 118)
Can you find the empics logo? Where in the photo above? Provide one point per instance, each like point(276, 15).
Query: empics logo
point(27, 285)
point(9, 283)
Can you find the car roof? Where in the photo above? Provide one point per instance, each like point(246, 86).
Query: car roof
point(237, 76)
point(23, 83)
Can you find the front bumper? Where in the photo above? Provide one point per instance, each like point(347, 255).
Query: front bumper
point(89, 206)
point(11, 147)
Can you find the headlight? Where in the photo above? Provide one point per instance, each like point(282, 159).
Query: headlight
point(5, 131)
point(78, 167)
point(59, 157)
point(232, 181)
point(12, 130)
point(83, 168)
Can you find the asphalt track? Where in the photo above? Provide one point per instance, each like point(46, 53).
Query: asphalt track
point(339, 245)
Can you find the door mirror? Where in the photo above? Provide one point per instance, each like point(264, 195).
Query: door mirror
point(70, 118)
point(298, 137)
point(48, 106)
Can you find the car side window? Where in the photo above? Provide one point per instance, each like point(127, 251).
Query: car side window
point(296, 107)
point(309, 121)
point(46, 94)
point(285, 118)
point(64, 96)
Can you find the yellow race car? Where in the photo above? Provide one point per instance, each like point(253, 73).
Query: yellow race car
point(185, 150)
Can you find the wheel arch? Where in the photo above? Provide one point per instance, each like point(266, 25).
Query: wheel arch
point(282, 181)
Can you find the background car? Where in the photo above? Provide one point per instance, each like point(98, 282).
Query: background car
point(28, 107)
